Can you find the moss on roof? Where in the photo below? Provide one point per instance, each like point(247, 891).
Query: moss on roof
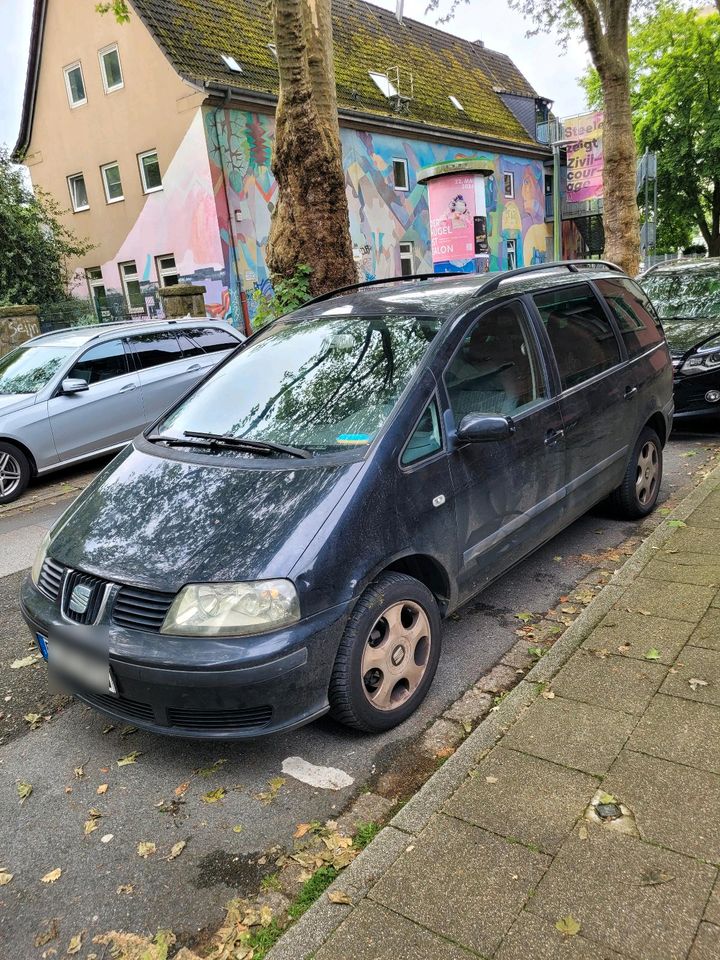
point(194, 34)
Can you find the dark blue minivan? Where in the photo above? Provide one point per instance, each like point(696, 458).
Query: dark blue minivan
point(286, 540)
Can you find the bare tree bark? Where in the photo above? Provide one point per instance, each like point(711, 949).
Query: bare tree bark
point(310, 223)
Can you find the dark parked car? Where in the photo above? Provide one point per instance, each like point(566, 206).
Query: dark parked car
point(287, 539)
point(686, 295)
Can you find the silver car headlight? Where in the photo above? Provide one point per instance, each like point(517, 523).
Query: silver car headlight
point(702, 362)
point(40, 559)
point(232, 609)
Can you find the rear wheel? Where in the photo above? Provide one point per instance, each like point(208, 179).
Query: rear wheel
point(14, 472)
point(387, 656)
point(637, 495)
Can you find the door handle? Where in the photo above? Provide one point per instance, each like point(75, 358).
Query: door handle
point(127, 388)
point(630, 391)
point(552, 436)
point(193, 367)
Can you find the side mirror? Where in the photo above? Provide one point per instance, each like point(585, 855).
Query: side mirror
point(477, 428)
point(71, 385)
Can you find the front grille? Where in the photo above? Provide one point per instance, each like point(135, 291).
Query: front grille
point(51, 578)
point(132, 709)
point(139, 609)
point(89, 592)
point(242, 719)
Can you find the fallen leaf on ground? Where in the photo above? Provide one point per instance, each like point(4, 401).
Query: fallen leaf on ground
point(548, 695)
point(606, 797)
point(108, 728)
point(268, 796)
point(525, 616)
point(696, 682)
point(125, 888)
point(5, 878)
point(45, 936)
point(52, 876)
point(24, 790)
point(652, 654)
point(209, 771)
point(182, 789)
point(301, 830)
point(34, 719)
point(26, 661)
point(126, 731)
point(177, 849)
point(568, 926)
point(675, 524)
point(91, 825)
point(213, 796)
point(129, 758)
point(338, 896)
point(79, 772)
point(75, 944)
point(146, 848)
point(102, 789)
point(130, 946)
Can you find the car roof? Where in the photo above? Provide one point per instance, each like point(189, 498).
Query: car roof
point(443, 294)
point(691, 265)
point(77, 337)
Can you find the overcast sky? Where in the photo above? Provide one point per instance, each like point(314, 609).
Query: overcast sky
point(553, 74)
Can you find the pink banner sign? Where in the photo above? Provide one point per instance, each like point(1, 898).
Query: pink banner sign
point(584, 157)
point(455, 200)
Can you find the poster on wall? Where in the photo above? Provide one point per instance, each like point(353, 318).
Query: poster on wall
point(583, 136)
point(456, 202)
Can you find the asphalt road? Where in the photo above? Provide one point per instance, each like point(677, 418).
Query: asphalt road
point(46, 831)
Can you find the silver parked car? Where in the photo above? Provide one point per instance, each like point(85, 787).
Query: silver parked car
point(83, 392)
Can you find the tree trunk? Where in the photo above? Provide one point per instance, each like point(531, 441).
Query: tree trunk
point(310, 223)
point(714, 238)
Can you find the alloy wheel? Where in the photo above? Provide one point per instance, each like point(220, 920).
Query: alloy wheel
point(648, 467)
point(396, 655)
point(10, 474)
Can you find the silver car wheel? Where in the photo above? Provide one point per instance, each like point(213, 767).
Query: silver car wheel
point(396, 655)
point(10, 474)
point(647, 472)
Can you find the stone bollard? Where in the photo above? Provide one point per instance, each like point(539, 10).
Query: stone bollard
point(18, 323)
point(182, 300)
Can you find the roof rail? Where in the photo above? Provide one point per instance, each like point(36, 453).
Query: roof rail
point(373, 283)
point(573, 266)
point(103, 327)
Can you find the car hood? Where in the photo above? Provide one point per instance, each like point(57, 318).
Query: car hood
point(682, 333)
point(10, 402)
point(161, 521)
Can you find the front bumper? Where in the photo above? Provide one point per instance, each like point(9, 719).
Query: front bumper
point(229, 689)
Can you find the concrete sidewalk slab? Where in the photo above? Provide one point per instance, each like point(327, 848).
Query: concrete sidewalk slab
point(684, 568)
point(533, 937)
point(707, 632)
point(614, 682)
point(632, 635)
point(673, 601)
point(697, 676)
point(679, 730)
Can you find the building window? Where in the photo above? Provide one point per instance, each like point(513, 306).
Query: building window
point(231, 63)
point(112, 182)
point(456, 103)
point(381, 81)
point(166, 270)
point(511, 254)
point(400, 174)
point(407, 258)
point(78, 193)
point(509, 185)
point(273, 50)
point(110, 68)
point(98, 294)
point(75, 84)
point(150, 171)
point(131, 287)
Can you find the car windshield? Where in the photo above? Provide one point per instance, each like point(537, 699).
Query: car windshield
point(323, 384)
point(28, 369)
point(688, 303)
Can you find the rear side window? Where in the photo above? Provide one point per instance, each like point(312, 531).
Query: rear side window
point(633, 312)
point(103, 362)
point(211, 339)
point(582, 337)
point(152, 349)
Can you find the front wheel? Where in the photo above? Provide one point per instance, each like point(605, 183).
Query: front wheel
point(388, 655)
point(637, 495)
point(14, 472)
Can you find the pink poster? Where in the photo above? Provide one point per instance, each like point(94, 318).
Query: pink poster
point(584, 157)
point(455, 200)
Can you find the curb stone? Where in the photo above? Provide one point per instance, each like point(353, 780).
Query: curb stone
point(316, 926)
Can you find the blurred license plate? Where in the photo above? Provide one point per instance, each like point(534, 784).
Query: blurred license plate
point(88, 670)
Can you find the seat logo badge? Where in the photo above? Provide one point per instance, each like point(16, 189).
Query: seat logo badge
point(80, 598)
point(439, 501)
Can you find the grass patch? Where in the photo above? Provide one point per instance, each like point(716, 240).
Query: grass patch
point(264, 939)
point(365, 833)
point(270, 881)
point(312, 890)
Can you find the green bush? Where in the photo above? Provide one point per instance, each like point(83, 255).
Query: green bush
point(287, 295)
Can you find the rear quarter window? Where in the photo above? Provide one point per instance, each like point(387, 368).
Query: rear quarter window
point(153, 349)
point(635, 315)
point(210, 339)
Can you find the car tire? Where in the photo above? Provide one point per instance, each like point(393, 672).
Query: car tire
point(388, 655)
point(637, 495)
point(14, 472)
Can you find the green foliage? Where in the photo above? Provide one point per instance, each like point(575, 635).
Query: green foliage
point(264, 939)
point(270, 881)
point(118, 8)
point(312, 890)
point(36, 246)
point(365, 833)
point(288, 295)
point(675, 91)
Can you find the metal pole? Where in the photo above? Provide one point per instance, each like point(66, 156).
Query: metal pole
point(557, 224)
point(655, 209)
point(646, 171)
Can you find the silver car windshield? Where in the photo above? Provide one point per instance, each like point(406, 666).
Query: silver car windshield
point(28, 369)
point(323, 384)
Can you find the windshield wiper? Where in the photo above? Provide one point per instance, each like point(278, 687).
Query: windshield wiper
point(241, 443)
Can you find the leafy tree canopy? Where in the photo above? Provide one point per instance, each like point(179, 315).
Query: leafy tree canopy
point(36, 246)
point(675, 91)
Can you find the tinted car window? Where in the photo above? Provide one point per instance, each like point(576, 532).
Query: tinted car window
point(211, 338)
point(190, 348)
point(152, 349)
point(633, 312)
point(495, 370)
point(426, 438)
point(581, 335)
point(103, 362)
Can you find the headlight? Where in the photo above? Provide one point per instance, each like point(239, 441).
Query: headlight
point(232, 609)
point(40, 558)
point(702, 362)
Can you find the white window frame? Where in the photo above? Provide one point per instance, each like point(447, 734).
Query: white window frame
point(101, 55)
point(103, 169)
point(231, 63)
point(404, 164)
point(162, 272)
point(511, 252)
point(273, 49)
point(509, 194)
point(140, 156)
point(124, 281)
point(383, 83)
point(93, 283)
point(77, 176)
point(407, 253)
point(76, 65)
point(456, 103)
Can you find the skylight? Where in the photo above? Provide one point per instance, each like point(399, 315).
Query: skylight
point(381, 81)
point(231, 63)
point(456, 103)
point(273, 49)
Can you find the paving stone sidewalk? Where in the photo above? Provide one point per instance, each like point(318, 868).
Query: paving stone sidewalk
point(505, 847)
